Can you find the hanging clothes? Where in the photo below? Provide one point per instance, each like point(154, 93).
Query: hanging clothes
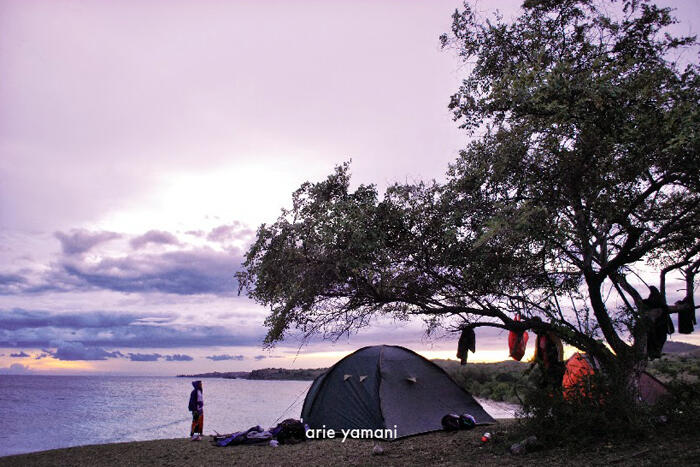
point(549, 349)
point(686, 318)
point(517, 342)
point(549, 354)
point(467, 341)
point(660, 327)
point(560, 347)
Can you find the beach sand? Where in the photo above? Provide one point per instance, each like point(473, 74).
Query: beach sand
point(438, 448)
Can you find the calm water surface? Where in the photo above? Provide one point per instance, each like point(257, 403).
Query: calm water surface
point(49, 412)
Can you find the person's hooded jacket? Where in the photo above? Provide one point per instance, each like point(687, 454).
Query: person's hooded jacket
point(196, 401)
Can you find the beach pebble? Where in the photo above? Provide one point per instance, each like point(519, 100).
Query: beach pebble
point(377, 450)
point(529, 444)
point(516, 449)
point(274, 443)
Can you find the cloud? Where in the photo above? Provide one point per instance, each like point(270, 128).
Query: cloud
point(262, 357)
point(71, 351)
point(154, 236)
point(178, 358)
point(218, 358)
point(8, 279)
point(12, 283)
point(228, 232)
point(21, 354)
point(19, 318)
point(15, 369)
point(188, 271)
point(20, 329)
point(79, 241)
point(17, 282)
point(144, 357)
point(35, 328)
point(202, 271)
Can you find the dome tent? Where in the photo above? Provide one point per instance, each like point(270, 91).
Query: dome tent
point(383, 386)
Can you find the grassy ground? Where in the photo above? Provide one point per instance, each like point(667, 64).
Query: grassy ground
point(673, 446)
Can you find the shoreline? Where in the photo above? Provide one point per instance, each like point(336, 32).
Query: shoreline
point(435, 448)
point(208, 440)
point(183, 452)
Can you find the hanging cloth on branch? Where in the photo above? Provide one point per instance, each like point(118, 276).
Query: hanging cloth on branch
point(467, 341)
point(517, 342)
point(686, 318)
point(661, 325)
point(549, 350)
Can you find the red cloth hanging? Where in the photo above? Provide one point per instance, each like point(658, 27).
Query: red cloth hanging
point(517, 342)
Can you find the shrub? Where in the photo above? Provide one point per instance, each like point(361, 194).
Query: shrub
point(604, 409)
point(682, 405)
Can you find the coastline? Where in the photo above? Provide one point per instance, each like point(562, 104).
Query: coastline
point(436, 448)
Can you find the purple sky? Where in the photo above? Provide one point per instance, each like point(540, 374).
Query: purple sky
point(142, 142)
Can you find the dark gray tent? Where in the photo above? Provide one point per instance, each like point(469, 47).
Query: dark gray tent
point(381, 386)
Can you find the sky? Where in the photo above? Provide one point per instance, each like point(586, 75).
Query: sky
point(143, 142)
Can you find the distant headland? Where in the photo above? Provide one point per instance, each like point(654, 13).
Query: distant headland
point(308, 374)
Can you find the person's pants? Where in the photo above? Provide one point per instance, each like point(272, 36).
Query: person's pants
point(197, 423)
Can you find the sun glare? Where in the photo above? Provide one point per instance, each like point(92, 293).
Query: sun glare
point(251, 193)
point(52, 365)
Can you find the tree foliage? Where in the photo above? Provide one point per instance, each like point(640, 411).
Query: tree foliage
point(583, 171)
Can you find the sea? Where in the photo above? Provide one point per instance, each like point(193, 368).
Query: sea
point(38, 413)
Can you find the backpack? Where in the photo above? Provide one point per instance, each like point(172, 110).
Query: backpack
point(290, 431)
point(450, 422)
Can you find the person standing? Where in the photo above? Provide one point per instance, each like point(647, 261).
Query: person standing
point(196, 406)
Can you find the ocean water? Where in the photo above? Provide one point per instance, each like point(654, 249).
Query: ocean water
point(48, 412)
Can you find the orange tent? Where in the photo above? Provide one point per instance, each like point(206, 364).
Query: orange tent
point(577, 376)
point(579, 370)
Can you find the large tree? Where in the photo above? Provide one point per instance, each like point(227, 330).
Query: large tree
point(582, 177)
